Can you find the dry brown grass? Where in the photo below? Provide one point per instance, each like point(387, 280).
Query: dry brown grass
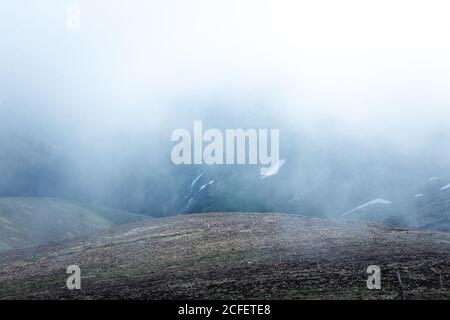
point(234, 256)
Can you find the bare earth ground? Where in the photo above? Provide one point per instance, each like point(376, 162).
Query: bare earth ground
point(234, 256)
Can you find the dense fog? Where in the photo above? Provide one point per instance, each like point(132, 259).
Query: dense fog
point(360, 97)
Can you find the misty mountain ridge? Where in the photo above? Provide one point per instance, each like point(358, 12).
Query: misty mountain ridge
point(31, 221)
point(316, 189)
point(429, 209)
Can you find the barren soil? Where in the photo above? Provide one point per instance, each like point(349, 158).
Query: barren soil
point(234, 256)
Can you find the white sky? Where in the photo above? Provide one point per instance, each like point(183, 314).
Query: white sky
point(353, 61)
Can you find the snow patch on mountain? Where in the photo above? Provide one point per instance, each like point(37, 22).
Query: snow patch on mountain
point(205, 185)
point(370, 203)
point(273, 170)
point(196, 179)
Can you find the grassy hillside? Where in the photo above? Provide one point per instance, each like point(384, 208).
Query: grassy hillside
point(31, 221)
point(232, 256)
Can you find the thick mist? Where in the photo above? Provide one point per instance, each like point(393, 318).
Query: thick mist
point(359, 91)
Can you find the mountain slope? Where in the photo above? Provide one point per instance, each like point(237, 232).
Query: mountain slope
point(31, 221)
point(232, 256)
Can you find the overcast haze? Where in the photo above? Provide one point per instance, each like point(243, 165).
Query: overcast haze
point(359, 91)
